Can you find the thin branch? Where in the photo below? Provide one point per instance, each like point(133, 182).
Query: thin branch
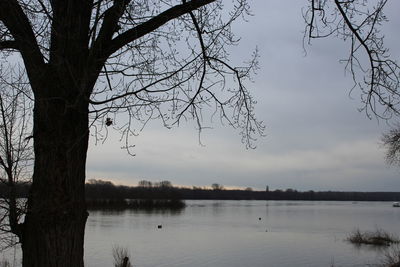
point(154, 23)
point(13, 17)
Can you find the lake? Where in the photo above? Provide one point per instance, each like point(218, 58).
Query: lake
point(240, 233)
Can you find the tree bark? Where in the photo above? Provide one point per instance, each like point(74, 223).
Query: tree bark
point(54, 226)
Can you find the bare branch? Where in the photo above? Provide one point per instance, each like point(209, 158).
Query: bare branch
point(15, 150)
point(110, 23)
point(154, 23)
point(12, 15)
point(161, 84)
point(377, 77)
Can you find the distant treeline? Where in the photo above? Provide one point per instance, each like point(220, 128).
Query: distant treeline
point(164, 193)
point(165, 190)
point(97, 189)
point(287, 195)
point(104, 194)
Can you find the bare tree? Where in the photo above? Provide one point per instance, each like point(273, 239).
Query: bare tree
point(163, 184)
point(145, 183)
point(118, 63)
point(122, 63)
point(391, 141)
point(216, 186)
point(16, 153)
point(369, 62)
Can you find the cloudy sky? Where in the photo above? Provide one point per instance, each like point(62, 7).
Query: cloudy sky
point(315, 138)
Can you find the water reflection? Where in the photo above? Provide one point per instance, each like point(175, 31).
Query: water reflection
point(149, 211)
point(243, 233)
point(231, 234)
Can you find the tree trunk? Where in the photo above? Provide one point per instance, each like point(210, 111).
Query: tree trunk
point(54, 226)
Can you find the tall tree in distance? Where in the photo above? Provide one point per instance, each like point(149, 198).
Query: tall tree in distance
point(117, 63)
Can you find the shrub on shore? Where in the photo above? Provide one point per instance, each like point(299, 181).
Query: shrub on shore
point(378, 237)
point(121, 257)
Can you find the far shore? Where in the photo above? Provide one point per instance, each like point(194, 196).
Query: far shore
point(160, 193)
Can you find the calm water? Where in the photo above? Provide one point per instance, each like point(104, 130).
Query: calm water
point(229, 234)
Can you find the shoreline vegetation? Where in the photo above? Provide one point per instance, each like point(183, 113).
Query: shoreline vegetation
point(102, 194)
point(105, 195)
point(164, 190)
point(379, 237)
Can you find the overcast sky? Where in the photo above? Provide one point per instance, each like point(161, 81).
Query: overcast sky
point(315, 138)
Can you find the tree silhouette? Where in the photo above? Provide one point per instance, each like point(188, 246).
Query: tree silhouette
point(374, 72)
point(216, 186)
point(145, 183)
point(113, 63)
point(123, 63)
point(16, 152)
